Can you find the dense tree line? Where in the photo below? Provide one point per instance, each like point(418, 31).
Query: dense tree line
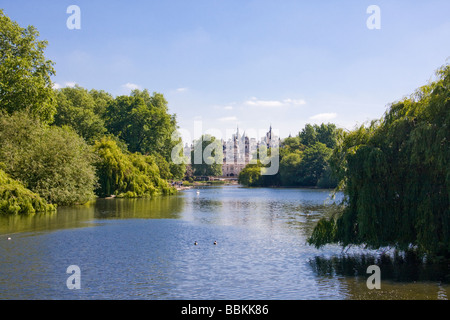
point(303, 160)
point(395, 174)
point(67, 146)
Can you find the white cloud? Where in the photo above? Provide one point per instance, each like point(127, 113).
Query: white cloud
point(254, 102)
point(228, 108)
point(182, 89)
point(300, 102)
point(324, 116)
point(131, 86)
point(228, 119)
point(70, 84)
point(263, 103)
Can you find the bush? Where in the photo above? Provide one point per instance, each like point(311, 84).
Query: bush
point(51, 161)
point(16, 199)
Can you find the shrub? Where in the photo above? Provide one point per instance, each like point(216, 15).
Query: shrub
point(16, 199)
point(51, 161)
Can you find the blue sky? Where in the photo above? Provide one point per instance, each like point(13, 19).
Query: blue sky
point(245, 63)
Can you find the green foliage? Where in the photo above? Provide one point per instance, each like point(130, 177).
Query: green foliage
point(314, 164)
point(143, 122)
point(348, 143)
point(54, 163)
point(397, 176)
point(164, 167)
point(101, 101)
point(325, 133)
point(126, 174)
point(291, 169)
point(81, 110)
point(16, 199)
point(207, 156)
point(51, 161)
point(25, 74)
point(290, 145)
point(308, 135)
point(324, 233)
point(251, 176)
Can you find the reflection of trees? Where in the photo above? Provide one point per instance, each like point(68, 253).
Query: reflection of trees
point(48, 221)
point(306, 215)
point(163, 207)
point(398, 268)
point(402, 277)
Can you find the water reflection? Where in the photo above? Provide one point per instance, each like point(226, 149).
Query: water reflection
point(143, 249)
point(294, 210)
point(403, 276)
point(164, 207)
point(399, 268)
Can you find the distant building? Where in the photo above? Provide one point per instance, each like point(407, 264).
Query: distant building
point(240, 150)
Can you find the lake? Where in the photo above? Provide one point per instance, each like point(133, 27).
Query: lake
point(144, 249)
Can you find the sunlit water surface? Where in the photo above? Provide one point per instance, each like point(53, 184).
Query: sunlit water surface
point(144, 249)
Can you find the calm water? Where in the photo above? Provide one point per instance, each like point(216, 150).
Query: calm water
point(144, 249)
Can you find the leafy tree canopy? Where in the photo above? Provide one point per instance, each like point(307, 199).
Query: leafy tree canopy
point(25, 74)
point(81, 110)
point(51, 161)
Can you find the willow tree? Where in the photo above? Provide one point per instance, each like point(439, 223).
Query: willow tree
point(396, 177)
point(126, 174)
point(16, 199)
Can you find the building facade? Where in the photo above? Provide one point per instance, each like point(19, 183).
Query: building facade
point(240, 150)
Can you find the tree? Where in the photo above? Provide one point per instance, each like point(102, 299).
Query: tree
point(251, 176)
point(397, 177)
point(25, 74)
point(144, 123)
point(325, 133)
point(308, 136)
point(127, 175)
point(77, 108)
point(51, 161)
point(314, 163)
point(101, 101)
point(207, 156)
point(290, 169)
point(290, 145)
